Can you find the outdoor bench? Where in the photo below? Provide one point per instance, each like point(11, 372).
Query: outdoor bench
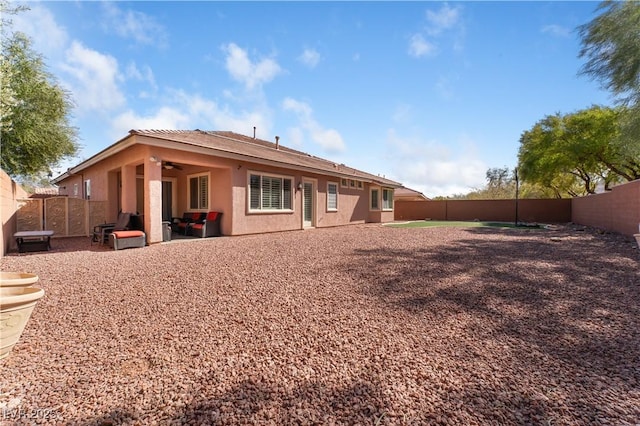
point(33, 240)
point(126, 239)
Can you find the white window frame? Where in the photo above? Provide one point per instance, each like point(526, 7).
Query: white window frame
point(200, 208)
point(261, 209)
point(75, 189)
point(352, 183)
point(337, 195)
point(376, 198)
point(388, 191)
point(344, 182)
point(360, 185)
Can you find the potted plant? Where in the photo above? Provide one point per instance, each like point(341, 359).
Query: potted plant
point(17, 279)
point(16, 305)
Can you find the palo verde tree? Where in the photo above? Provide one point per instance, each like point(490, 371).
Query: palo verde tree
point(34, 130)
point(574, 152)
point(611, 46)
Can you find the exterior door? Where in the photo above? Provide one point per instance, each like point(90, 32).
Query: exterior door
point(167, 200)
point(307, 204)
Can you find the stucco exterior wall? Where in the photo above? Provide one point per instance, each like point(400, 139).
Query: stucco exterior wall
point(10, 191)
point(123, 179)
point(353, 204)
point(617, 210)
point(104, 180)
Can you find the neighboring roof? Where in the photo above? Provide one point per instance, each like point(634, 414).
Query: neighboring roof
point(45, 192)
point(409, 194)
point(234, 145)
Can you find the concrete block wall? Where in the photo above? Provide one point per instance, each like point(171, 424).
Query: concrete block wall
point(617, 210)
point(538, 210)
point(10, 191)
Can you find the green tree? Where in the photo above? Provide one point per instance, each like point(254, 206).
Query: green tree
point(540, 160)
point(611, 46)
point(574, 152)
point(35, 132)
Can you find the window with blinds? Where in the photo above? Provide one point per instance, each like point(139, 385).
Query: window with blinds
point(199, 192)
point(332, 196)
point(375, 203)
point(269, 192)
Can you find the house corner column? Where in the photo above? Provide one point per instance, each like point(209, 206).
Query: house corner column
point(153, 201)
point(128, 200)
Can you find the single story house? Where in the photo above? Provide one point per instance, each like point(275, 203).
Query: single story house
point(259, 186)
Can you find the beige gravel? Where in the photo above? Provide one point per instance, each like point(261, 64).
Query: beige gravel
point(353, 325)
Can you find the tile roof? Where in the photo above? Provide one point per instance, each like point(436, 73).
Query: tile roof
point(258, 149)
point(408, 193)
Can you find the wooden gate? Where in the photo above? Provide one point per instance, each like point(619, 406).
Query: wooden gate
point(67, 217)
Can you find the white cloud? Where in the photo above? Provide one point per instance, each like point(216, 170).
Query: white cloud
point(145, 74)
point(165, 118)
point(329, 139)
point(556, 30)
point(95, 78)
point(135, 25)
point(182, 110)
point(418, 46)
point(444, 19)
point(206, 114)
point(310, 57)
point(295, 136)
point(434, 168)
point(48, 37)
point(251, 74)
point(301, 108)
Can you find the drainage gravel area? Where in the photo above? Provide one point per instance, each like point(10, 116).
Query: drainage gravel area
point(361, 324)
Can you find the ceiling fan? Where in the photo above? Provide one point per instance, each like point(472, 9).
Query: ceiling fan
point(168, 165)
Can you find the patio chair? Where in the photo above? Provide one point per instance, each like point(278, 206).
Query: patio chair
point(101, 232)
point(209, 228)
point(183, 225)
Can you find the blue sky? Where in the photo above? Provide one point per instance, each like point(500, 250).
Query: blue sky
point(430, 94)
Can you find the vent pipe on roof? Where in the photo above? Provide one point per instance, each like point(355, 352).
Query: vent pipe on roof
point(277, 142)
point(254, 132)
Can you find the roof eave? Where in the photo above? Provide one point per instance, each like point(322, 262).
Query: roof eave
point(165, 142)
point(122, 144)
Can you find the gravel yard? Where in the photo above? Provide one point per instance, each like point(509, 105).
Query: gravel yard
point(353, 325)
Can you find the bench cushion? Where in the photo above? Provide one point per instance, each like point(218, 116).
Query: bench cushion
point(128, 234)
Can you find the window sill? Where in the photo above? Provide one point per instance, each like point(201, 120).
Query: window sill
point(270, 212)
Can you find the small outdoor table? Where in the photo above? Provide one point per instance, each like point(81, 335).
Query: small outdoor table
point(33, 240)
